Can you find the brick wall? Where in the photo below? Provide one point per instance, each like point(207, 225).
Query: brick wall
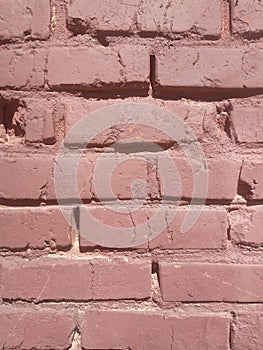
point(61, 60)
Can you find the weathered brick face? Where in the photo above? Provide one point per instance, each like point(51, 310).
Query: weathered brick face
point(96, 252)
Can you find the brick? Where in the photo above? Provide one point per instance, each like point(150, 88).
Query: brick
point(247, 18)
point(208, 232)
point(122, 177)
point(251, 66)
point(28, 19)
point(246, 225)
point(200, 117)
point(34, 228)
point(28, 328)
point(64, 279)
point(41, 185)
point(211, 282)
point(146, 17)
point(19, 169)
point(22, 69)
point(246, 121)
point(164, 231)
point(91, 68)
point(250, 182)
point(247, 331)
point(222, 178)
point(200, 67)
point(153, 330)
point(38, 117)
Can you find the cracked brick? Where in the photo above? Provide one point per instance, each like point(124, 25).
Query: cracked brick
point(149, 17)
point(153, 330)
point(62, 279)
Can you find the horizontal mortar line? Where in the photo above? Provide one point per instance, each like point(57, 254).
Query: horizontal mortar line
point(175, 307)
point(147, 253)
point(201, 93)
point(132, 39)
point(147, 34)
point(211, 256)
point(183, 254)
point(108, 151)
point(62, 300)
point(96, 203)
point(109, 91)
point(40, 93)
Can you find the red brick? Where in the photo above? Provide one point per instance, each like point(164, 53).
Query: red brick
point(24, 19)
point(210, 67)
point(157, 17)
point(209, 231)
point(246, 225)
point(211, 282)
point(53, 279)
point(251, 184)
point(19, 170)
point(26, 328)
point(127, 177)
point(222, 177)
point(41, 185)
point(94, 67)
point(252, 67)
point(247, 332)
point(246, 121)
point(35, 228)
point(153, 330)
point(200, 117)
point(38, 118)
point(247, 18)
point(22, 69)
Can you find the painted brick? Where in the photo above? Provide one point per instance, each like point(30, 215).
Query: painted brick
point(22, 69)
point(211, 282)
point(52, 279)
point(246, 225)
point(28, 328)
point(247, 18)
point(251, 184)
point(199, 67)
point(146, 17)
point(247, 332)
point(153, 330)
point(209, 231)
point(91, 68)
point(24, 19)
point(246, 121)
point(34, 228)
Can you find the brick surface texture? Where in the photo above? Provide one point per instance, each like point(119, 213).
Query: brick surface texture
point(131, 175)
